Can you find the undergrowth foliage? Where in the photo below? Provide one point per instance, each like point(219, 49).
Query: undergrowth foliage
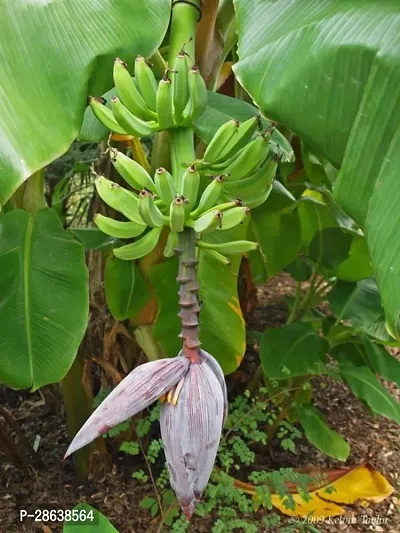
point(248, 426)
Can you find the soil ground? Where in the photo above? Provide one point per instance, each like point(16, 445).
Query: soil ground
point(117, 495)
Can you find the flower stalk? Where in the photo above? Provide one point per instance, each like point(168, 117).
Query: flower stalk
point(188, 288)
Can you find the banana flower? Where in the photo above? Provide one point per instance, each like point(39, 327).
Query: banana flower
point(193, 412)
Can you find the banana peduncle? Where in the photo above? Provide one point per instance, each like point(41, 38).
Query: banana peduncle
point(188, 301)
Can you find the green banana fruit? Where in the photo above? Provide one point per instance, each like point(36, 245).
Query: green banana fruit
point(252, 185)
point(149, 212)
point(139, 248)
point(207, 222)
point(240, 138)
point(119, 198)
point(129, 93)
point(221, 138)
point(210, 195)
point(258, 199)
point(146, 81)
point(177, 213)
point(216, 255)
point(190, 187)
point(165, 111)
point(233, 217)
point(105, 115)
point(133, 173)
point(249, 159)
point(115, 228)
point(172, 243)
point(165, 186)
point(132, 124)
point(180, 85)
point(226, 205)
point(197, 97)
point(230, 248)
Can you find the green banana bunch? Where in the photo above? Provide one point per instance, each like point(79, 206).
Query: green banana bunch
point(132, 124)
point(149, 212)
point(105, 115)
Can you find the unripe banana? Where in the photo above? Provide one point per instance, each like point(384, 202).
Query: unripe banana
point(139, 248)
point(221, 138)
point(249, 159)
point(209, 197)
point(190, 187)
point(216, 255)
point(149, 212)
point(119, 199)
point(258, 199)
point(105, 115)
point(241, 137)
point(180, 85)
point(197, 97)
point(129, 93)
point(165, 186)
point(251, 186)
point(233, 217)
point(230, 248)
point(106, 190)
point(131, 171)
point(177, 214)
point(115, 228)
point(165, 111)
point(146, 81)
point(207, 222)
point(172, 243)
point(227, 205)
point(132, 124)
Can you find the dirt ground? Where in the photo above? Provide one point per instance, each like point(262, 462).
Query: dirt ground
point(117, 495)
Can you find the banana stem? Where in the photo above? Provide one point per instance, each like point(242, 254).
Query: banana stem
point(183, 28)
point(188, 301)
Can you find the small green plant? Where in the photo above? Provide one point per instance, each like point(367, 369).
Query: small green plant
point(247, 425)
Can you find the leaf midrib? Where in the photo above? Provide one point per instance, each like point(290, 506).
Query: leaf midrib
point(27, 269)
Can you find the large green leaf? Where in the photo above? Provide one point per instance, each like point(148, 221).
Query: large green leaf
point(290, 351)
point(320, 434)
point(279, 237)
point(361, 351)
point(221, 321)
point(87, 519)
point(126, 290)
point(329, 70)
point(44, 298)
point(366, 386)
point(52, 55)
point(360, 304)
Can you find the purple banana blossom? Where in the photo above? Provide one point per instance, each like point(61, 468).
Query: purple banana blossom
point(191, 419)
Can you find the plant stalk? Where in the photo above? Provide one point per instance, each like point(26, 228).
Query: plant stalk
point(188, 288)
point(183, 28)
